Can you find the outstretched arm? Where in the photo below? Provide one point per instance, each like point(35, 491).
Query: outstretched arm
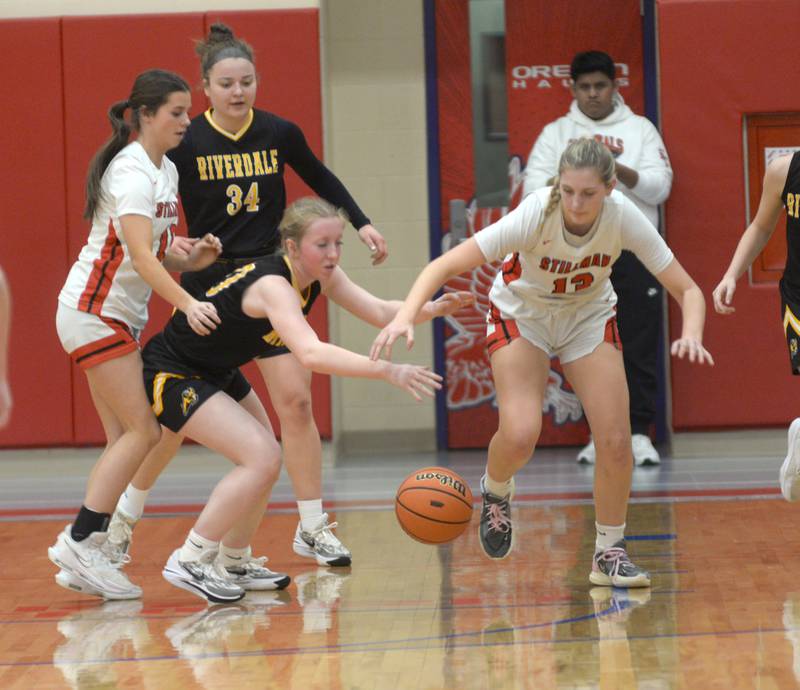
point(693, 308)
point(5, 327)
point(271, 297)
point(379, 312)
point(756, 235)
point(459, 259)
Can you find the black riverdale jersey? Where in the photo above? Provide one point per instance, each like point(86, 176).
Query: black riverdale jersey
point(237, 339)
point(232, 186)
point(790, 282)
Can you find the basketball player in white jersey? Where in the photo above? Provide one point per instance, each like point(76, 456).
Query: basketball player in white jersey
point(553, 298)
point(132, 202)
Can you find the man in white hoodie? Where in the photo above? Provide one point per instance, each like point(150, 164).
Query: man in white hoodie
point(645, 177)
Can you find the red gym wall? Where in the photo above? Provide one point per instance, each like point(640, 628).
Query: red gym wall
point(61, 75)
point(746, 63)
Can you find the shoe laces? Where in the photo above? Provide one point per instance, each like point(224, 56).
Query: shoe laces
point(120, 531)
point(322, 533)
point(255, 564)
point(498, 519)
point(616, 556)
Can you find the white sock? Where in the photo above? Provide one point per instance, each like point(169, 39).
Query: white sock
point(501, 489)
point(132, 501)
point(229, 556)
point(195, 546)
point(607, 536)
point(310, 513)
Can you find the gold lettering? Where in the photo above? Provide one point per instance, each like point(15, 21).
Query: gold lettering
point(258, 169)
point(217, 160)
point(274, 154)
point(237, 165)
point(201, 168)
point(272, 338)
point(248, 164)
point(228, 167)
point(265, 158)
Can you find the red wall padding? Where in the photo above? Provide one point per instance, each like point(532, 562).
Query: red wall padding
point(103, 48)
point(709, 81)
point(83, 65)
point(33, 246)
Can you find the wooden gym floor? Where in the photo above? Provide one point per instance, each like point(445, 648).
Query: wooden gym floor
point(723, 612)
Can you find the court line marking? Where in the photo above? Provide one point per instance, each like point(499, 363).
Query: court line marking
point(403, 644)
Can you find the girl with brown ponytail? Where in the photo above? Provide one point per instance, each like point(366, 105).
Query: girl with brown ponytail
point(132, 203)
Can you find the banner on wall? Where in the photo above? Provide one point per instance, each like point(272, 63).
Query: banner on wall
point(541, 39)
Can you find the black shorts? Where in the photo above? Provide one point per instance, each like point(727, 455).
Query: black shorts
point(197, 282)
point(176, 391)
point(790, 311)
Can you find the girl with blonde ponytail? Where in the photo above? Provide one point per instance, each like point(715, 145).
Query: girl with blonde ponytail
point(553, 298)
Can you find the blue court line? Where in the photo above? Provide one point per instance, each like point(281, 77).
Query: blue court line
point(386, 645)
point(650, 537)
point(339, 611)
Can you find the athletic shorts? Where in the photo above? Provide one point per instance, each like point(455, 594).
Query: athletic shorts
point(176, 392)
point(90, 339)
point(791, 327)
point(568, 334)
point(197, 282)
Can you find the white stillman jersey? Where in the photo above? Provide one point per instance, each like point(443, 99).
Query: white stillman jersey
point(103, 281)
point(545, 266)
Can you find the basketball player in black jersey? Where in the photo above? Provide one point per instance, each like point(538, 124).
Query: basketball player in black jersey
point(231, 165)
point(195, 389)
point(781, 189)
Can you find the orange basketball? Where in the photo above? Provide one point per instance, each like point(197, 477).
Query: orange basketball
point(433, 505)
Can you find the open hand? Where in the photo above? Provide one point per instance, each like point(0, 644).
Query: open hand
point(415, 379)
point(693, 349)
point(390, 333)
point(202, 317)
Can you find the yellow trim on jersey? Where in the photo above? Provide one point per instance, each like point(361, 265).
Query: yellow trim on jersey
point(303, 298)
point(790, 319)
point(225, 133)
point(158, 390)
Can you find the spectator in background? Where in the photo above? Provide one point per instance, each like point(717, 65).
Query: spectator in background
point(645, 177)
point(6, 402)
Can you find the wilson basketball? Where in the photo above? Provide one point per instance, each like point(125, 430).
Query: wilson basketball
point(433, 505)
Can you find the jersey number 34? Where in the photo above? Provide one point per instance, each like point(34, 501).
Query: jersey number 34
point(238, 198)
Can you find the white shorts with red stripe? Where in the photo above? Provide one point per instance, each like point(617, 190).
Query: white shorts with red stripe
point(564, 333)
point(90, 339)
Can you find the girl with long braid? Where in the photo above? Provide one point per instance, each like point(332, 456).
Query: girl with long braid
point(553, 298)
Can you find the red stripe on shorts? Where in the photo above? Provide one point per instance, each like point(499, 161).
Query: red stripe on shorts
point(612, 333)
point(505, 330)
point(104, 268)
point(119, 343)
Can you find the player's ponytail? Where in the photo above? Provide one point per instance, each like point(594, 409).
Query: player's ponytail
point(150, 91)
point(219, 45)
point(555, 197)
